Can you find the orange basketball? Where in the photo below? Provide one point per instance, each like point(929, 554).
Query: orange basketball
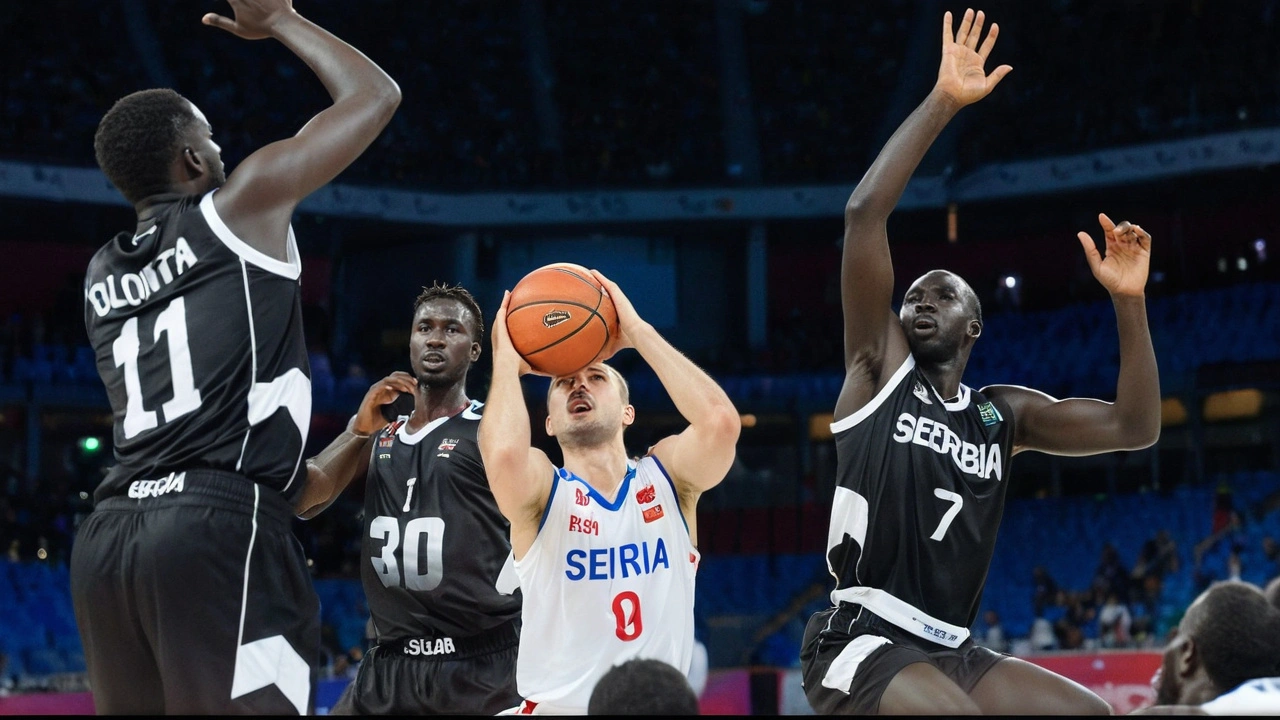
point(560, 319)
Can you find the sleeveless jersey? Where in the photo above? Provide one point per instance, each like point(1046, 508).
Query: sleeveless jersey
point(920, 493)
point(604, 582)
point(1260, 696)
point(198, 340)
point(436, 548)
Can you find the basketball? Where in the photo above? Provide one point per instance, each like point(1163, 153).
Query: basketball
point(560, 319)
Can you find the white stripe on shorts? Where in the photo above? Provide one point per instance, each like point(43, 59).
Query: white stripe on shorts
point(840, 674)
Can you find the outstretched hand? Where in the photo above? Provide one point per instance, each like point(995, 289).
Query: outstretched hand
point(253, 18)
point(961, 74)
point(1124, 270)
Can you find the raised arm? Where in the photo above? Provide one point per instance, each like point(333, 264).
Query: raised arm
point(519, 474)
point(873, 338)
point(259, 197)
point(1083, 426)
point(700, 456)
point(347, 457)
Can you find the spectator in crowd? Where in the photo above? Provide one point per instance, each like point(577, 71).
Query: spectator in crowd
point(1158, 557)
point(1044, 589)
point(1114, 621)
point(1042, 636)
point(1271, 552)
point(1110, 575)
point(993, 636)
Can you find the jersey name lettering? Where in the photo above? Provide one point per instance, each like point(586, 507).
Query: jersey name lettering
point(133, 289)
point(423, 646)
point(980, 460)
point(621, 561)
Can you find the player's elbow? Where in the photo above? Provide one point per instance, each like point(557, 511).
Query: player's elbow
point(1139, 434)
point(723, 424)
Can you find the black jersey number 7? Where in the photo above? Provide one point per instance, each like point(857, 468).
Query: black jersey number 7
point(172, 323)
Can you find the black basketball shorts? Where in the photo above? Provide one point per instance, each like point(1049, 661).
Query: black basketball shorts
point(849, 655)
point(193, 597)
point(434, 675)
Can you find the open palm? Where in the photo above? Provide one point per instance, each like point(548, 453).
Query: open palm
point(961, 73)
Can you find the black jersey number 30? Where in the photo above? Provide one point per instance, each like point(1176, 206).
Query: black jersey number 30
point(171, 322)
point(422, 533)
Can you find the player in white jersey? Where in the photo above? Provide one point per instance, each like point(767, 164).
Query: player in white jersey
point(1225, 659)
point(605, 547)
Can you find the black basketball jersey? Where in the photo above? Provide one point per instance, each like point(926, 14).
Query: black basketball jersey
point(920, 493)
point(198, 338)
point(436, 551)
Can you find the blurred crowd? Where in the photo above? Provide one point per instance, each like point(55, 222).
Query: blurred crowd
point(567, 94)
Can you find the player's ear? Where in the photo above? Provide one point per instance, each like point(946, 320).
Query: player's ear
point(975, 328)
point(628, 415)
point(547, 424)
point(193, 165)
point(475, 351)
point(1187, 660)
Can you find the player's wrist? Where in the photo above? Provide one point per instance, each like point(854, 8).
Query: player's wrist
point(354, 429)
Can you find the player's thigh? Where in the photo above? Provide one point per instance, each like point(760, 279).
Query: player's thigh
point(122, 667)
point(237, 616)
point(1017, 687)
point(922, 689)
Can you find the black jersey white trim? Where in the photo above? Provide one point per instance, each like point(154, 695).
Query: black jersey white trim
point(866, 410)
point(292, 268)
point(408, 438)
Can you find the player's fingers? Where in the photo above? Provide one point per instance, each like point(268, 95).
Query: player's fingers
point(1091, 254)
point(966, 22)
point(997, 75)
point(1106, 223)
point(219, 21)
point(990, 42)
point(976, 32)
point(947, 33)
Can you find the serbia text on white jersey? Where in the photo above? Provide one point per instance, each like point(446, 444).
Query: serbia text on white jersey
point(604, 582)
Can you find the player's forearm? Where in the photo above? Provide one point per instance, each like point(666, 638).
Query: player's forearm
point(344, 71)
point(331, 471)
point(1138, 385)
point(884, 182)
point(505, 432)
point(697, 397)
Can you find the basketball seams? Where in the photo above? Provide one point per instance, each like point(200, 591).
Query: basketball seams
point(524, 313)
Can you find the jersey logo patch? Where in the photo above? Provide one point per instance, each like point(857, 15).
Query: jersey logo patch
point(921, 393)
point(646, 495)
point(989, 414)
point(581, 498)
point(653, 513)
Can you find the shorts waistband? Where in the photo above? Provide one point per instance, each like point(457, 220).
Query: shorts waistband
point(903, 615)
point(205, 488)
point(446, 647)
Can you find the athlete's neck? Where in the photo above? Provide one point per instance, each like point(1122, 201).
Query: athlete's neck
point(944, 377)
point(602, 466)
point(435, 403)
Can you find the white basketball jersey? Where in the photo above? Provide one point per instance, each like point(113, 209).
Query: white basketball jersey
point(1255, 697)
point(604, 582)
